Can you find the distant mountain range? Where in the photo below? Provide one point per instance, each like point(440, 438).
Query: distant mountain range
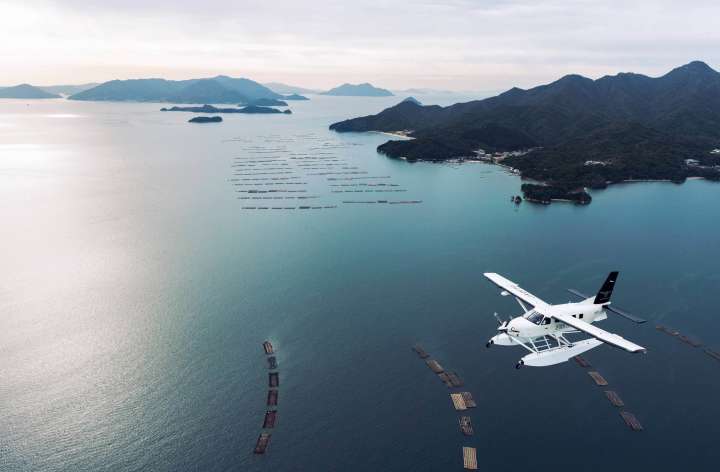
point(220, 89)
point(359, 90)
point(67, 89)
point(579, 132)
point(289, 89)
point(25, 91)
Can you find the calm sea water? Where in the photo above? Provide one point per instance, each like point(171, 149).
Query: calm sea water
point(135, 293)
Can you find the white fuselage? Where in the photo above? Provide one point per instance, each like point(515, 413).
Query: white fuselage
point(535, 324)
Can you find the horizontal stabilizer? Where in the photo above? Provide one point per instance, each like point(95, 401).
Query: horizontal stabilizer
point(625, 314)
point(614, 309)
point(578, 294)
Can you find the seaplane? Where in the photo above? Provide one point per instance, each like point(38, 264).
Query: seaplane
point(544, 329)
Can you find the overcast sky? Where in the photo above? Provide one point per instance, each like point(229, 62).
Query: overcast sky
point(446, 44)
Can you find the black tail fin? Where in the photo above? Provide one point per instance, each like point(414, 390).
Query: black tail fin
point(603, 296)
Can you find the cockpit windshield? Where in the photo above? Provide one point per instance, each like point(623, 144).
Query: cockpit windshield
point(535, 317)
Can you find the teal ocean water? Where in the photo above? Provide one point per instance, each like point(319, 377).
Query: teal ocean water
point(135, 293)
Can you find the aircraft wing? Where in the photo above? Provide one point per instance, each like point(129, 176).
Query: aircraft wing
point(602, 335)
point(515, 290)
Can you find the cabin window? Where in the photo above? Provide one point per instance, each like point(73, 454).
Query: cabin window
point(580, 315)
point(546, 321)
point(535, 317)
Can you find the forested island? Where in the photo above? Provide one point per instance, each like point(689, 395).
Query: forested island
point(250, 109)
point(358, 90)
point(26, 91)
point(220, 89)
point(206, 119)
point(574, 133)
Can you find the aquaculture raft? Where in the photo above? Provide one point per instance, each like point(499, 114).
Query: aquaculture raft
point(458, 402)
point(582, 362)
point(434, 366)
point(272, 398)
point(466, 426)
point(420, 351)
point(470, 458)
point(270, 418)
point(455, 380)
point(468, 399)
point(631, 421)
point(688, 340)
point(262, 443)
point(274, 379)
point(599, 379)
point(614, 398)
point(714, 354)
point(446, 379)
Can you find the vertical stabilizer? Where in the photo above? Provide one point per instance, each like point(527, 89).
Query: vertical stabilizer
point(603, 296)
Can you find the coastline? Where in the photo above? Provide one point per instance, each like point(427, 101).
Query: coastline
point(517, 172)
point(396, 134)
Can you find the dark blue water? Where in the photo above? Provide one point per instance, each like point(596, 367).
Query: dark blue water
point(135, 294)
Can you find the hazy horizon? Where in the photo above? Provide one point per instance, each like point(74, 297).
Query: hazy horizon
point(453, 45)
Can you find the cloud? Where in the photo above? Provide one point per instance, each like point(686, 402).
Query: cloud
point(457, 44)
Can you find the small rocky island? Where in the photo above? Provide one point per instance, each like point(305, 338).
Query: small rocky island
point(295, 96)
point(545, 194)
point(206, 119)
point(250, 109)
point(267, 102)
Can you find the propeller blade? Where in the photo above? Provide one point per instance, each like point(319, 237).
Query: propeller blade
point(497, 317)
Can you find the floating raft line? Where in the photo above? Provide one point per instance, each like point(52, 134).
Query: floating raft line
point(714, 354)
point(357, 178)
point(445, 378)
point(468, 399)
point(270, 418)
point(272, 398)
point(271, 191)
point(272, 362)
point(614, 398)
point(667, 330)
point(263, 173)
point(268, 347)
point(290, 208)
point(688, 340)
point(420, 351)
point(262, 443)
point(455, 381)
point(599, 379)
point(470, 458)
point(458, 402)
point(434, 366)
point(241, 184)
point(631, 421)
point(582, 362)
point(273, 379)
point(466, 426)
point(673, 332)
